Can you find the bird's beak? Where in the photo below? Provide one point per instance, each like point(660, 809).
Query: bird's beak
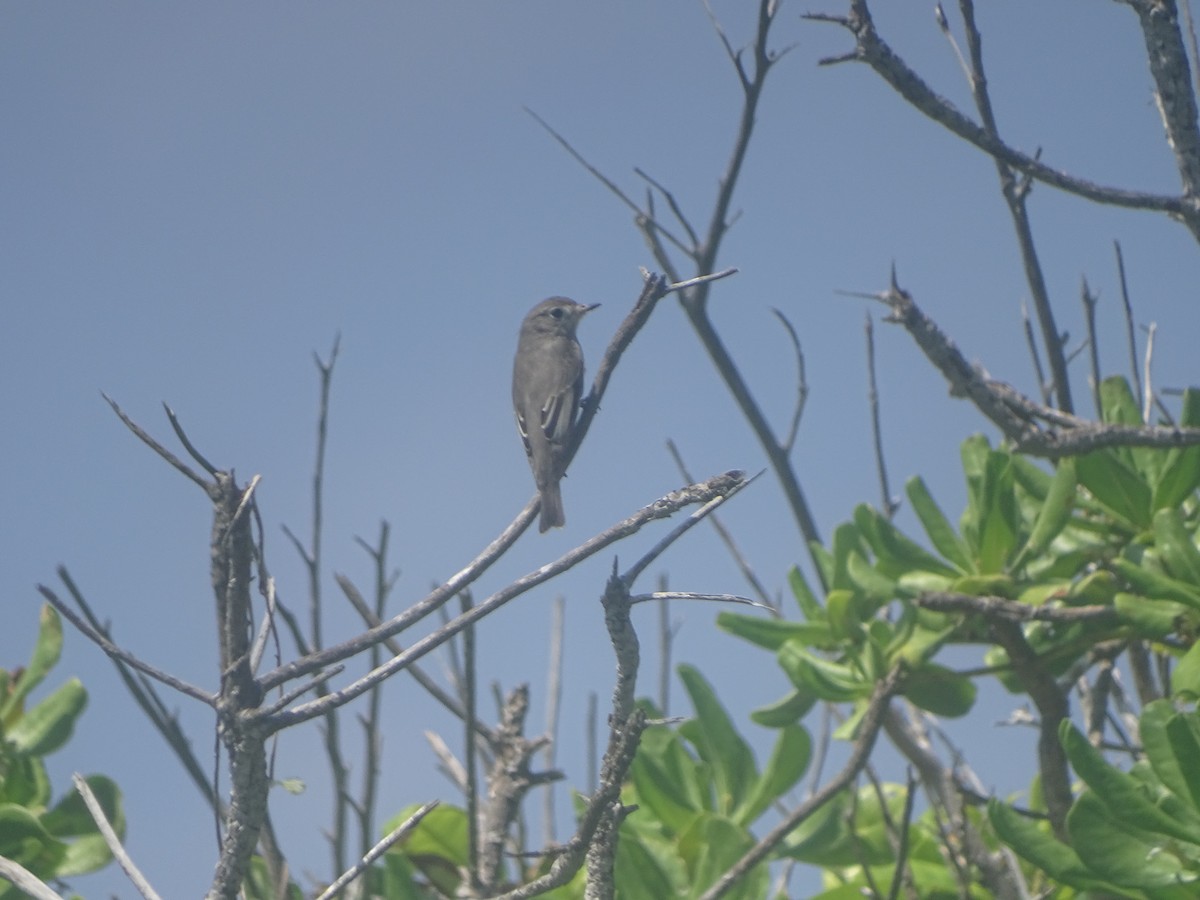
point(588, 309)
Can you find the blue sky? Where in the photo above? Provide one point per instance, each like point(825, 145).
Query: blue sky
point(196, 198)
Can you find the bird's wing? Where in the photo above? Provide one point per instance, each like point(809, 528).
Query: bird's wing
point(557, 414)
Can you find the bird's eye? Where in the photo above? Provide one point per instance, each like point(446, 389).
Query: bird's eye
point(557, 312)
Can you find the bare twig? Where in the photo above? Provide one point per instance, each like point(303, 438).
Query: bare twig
point(1147, 381)
point(666, 596)
point(1031, 343)
point(889, 506)
point(1015, 191)
point(1089, 314)
point(1130, 331)
point(724, 533)
point(870, 48)
point(702, 493)
point(554, 682)
point(111, 840)
point(868, 731)
point(394, 647)
point(22, 878)
point(174, 461)
point(789, 442)
point(468, 691)
point(1014, 414)
point(392, 837)
point(120, 653)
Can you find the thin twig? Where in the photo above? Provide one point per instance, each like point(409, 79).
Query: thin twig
point(469, 693)
point(607, 182)
point(120, 653)
point(110, 838)
point(868, 731)
point(396, 834)
point(724, 533)
point(553, 711)
point(21, 878)
point(1089, 314)
point(1148, 389)
point(789, 442)
point(1130, 331)
point(703, 493)
point(173, 460)
point(890, 505)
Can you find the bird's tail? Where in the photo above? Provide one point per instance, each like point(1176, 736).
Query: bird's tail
point(552, 508)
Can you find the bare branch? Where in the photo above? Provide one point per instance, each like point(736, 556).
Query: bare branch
point(998, 608)
point(725, 535)
point(1014, 414)
point(701, 493)
point(187, 444)
point(116, 652)
point(642, 215)
point(871, 49)
point(173, 460)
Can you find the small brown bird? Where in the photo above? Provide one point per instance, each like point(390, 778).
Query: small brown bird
point(547, 384)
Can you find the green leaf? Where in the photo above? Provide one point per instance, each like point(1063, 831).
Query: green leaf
point(824, 679)
point(845, 541)
point(869, 581)
point(669, 781)
point(809, 605)
point(1172, 744)
point(941, 533)
point(994, 585)
point(1032, 841)
point(1156, 586)
point(1180, 474)
point(710, 847)
point(823, 560)
point(1054, 514)
point(1185, 680)
point(940, 691)
point(997, 515)
point(1149, 618)
point(1116, 485)
point(896, 554)
point(844, 620)
point(437, 846)
point(789, 760)
point(773, 633)
point(1124, 795)
point(1114, 850)
point(1183, 734)
point(25, 782)
point(639, 871)
point(49, 725)
point(848, 830)
point(1177, 546)
point(718, 742)
point(46, 653)
point(792, 708)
